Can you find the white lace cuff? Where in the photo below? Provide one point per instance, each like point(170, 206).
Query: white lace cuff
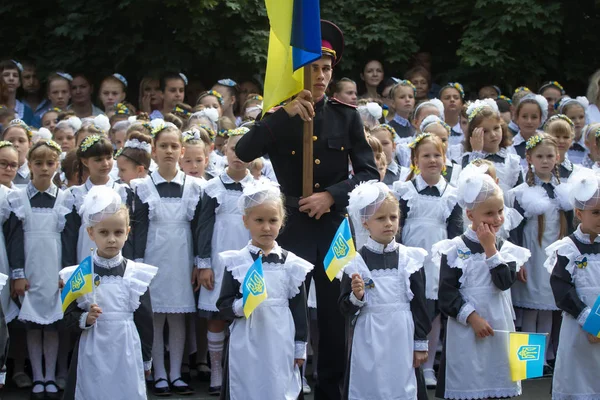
point(357, 302)
point(139, 260)
point(494, 261)
point(148, 365)
point(238, 307)
point(300, 350)
point(421, 345)
point(18, 273)
point(202, 263)
point(466, 310)
point(583, 316)
point(82, 322)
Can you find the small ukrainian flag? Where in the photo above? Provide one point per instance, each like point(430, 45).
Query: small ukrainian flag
point(526, 355)
point(254, 288)
point(81, 282)
point(592, 322)
point(341, 250)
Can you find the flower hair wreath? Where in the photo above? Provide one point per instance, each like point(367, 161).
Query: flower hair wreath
point(533, 141)
point(418, 139)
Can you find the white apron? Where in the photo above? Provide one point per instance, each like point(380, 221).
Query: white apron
point(478, 368)
point(43, 251)
point(536, 293)
point(426, 225)
point(109, 363)
point(229, 234)
point(576, 372)
point(381, 362)
point(261, 348)
point(169, 247)
point(10, 309)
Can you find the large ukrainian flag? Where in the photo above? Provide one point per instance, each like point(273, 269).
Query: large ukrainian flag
point(254, 288)
point(341, 250)
point(526, 355)
point(294, 41)
point(81, 282)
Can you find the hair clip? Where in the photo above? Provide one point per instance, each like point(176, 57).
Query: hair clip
point(89, 142)
point(227, 82)
point(184, 78)
point(418, 139)
point(18, 65)
point(533, 141)
point(121, 78)
point(66, 76)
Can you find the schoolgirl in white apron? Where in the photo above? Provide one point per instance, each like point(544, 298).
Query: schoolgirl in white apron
point(9, 307)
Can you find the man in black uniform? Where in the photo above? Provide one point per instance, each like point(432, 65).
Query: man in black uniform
point(313, 221)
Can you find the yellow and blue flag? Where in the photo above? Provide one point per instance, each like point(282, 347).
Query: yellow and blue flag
point(81, 282)
point(294, 41)
point(254, 289)
point(341, 250)
point(527, 353)
point(592, 322)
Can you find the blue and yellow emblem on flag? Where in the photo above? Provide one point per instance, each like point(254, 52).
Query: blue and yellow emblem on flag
point(592, 322)
point(81, 282)
point(341, 250)
point(254, 288)
point(527, 353)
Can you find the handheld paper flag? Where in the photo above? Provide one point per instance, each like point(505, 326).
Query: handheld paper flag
point(254, 289)
point(341, 251)
point(592, 323)
point(526, 355)
point(81, 282)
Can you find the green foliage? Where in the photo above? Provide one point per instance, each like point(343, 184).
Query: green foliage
point(511, 42)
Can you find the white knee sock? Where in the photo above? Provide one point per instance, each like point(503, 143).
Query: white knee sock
point(34, 346)
point(176, 344)
point(50, 355)
point(434, 338)
point(158, 350)
point(215, 350)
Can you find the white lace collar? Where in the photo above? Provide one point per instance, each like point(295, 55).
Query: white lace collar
point(107, 263)
point(471, 234)
point(393, 167)
point(229, 180)
point(178, 179)
point(377, 247)
point(421, 184)
point(539, 182)
point(567, 164)
point(584, 237)
point(254, 250)
point(89, 184)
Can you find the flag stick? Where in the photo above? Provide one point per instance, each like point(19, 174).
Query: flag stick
point(307, 143)
point(93, 283)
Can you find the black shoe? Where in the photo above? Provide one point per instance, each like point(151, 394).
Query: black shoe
point(203, 372)
point(186, 376)
point(163, 391)
point(214, 390)
point(548, 371)
point(37, 396)
point(184, 390)
point(52, 395)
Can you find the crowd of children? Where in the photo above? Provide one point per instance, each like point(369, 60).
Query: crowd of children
point(479, 226)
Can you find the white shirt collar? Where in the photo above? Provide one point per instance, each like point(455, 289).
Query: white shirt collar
point(421, 184)
point(393, 167)
point(23, 170)
point(89, 184)
point(584, 237)
point(32, 190)
point(178, 179)
point(471, 235)
point(377, 247)
point(401, 120)
point(229, 180)
point(457, 128)
point(107, 263)
point(518, 139)
point(539, 182)
point(254, 250)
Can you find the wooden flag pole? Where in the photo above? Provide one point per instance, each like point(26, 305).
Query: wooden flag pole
point(307, 143)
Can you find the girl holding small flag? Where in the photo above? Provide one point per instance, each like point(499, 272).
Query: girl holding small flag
point(39, 213)
point(220, 229)
point(383, 292)
point(476, 273)
point(115, 319)
point(263, 294)
point(574, 264)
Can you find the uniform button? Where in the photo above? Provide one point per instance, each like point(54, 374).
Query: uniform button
point(317, 161)
point(314, 138)
point(317, 186)
point(293, 152)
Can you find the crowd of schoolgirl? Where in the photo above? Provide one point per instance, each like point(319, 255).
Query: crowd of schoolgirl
point(479, 226)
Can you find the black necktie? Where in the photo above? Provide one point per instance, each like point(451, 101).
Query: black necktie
point(549, 189)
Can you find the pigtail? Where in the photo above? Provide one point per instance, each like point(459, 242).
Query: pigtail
point(561, 213)
point(530, 179)
point(413, 167)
